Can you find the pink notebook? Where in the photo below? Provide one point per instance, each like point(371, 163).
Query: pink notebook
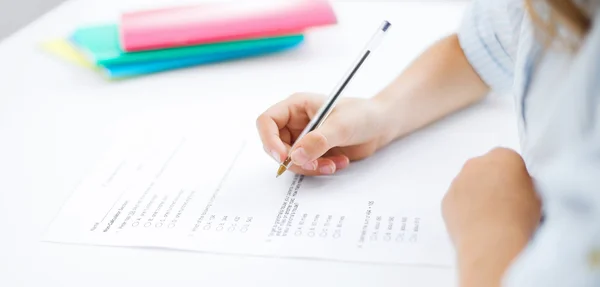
point(221, 22)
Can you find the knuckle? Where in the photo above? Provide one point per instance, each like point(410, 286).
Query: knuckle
point(367, 151)
point(297, 96)
point(504, 155)
point(501, 151)
point(344, 131)
point(320, 141)
point(370, 150)
point(471, 164)
point(261, 119)
point(306, 99)
point(445, 203)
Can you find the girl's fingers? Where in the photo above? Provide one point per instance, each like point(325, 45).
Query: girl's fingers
point(269, 135)
point(314, 145)
point(269, 125)
point(341, 161)
point(330, 163)
point(322, 166)
point(326, 166)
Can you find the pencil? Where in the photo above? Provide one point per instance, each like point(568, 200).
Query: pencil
point(328, 106)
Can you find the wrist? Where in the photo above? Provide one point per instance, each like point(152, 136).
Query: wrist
point(486, 252)
point(402, 112)
point(388, 116)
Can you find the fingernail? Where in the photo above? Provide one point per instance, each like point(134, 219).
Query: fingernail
point(341, 163)
point(300, 157)
point(310, 165)
point(327, 169)
point(276, 156)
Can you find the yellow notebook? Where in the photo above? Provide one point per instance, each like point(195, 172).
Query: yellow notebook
point(66, 51)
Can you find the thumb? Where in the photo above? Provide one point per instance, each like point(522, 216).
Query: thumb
point(316, 143)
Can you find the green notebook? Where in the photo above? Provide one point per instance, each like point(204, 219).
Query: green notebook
point(101, 45)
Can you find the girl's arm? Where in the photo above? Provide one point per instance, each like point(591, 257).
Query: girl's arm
point(458, 70)
point(439, 82)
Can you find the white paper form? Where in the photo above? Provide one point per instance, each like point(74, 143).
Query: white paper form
point(146, 186)
point(160, 196)
point(381, 210)
point(184, 192)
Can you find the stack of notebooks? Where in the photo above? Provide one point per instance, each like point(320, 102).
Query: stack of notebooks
point(146, 42)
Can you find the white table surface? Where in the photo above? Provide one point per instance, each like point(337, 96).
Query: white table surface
point(56, 120)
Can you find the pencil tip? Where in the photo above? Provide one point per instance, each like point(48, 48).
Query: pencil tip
point(280, 171)
point(283, 166)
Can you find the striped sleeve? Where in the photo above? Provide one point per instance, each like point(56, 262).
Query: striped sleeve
point(488, 36)
point(563, 155)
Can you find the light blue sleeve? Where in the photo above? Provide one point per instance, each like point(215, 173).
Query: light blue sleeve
point(564, 160)
point(489, 37)
point(565, 252)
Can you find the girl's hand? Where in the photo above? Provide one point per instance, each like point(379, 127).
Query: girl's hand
point(491, 212)
point(355, 129)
